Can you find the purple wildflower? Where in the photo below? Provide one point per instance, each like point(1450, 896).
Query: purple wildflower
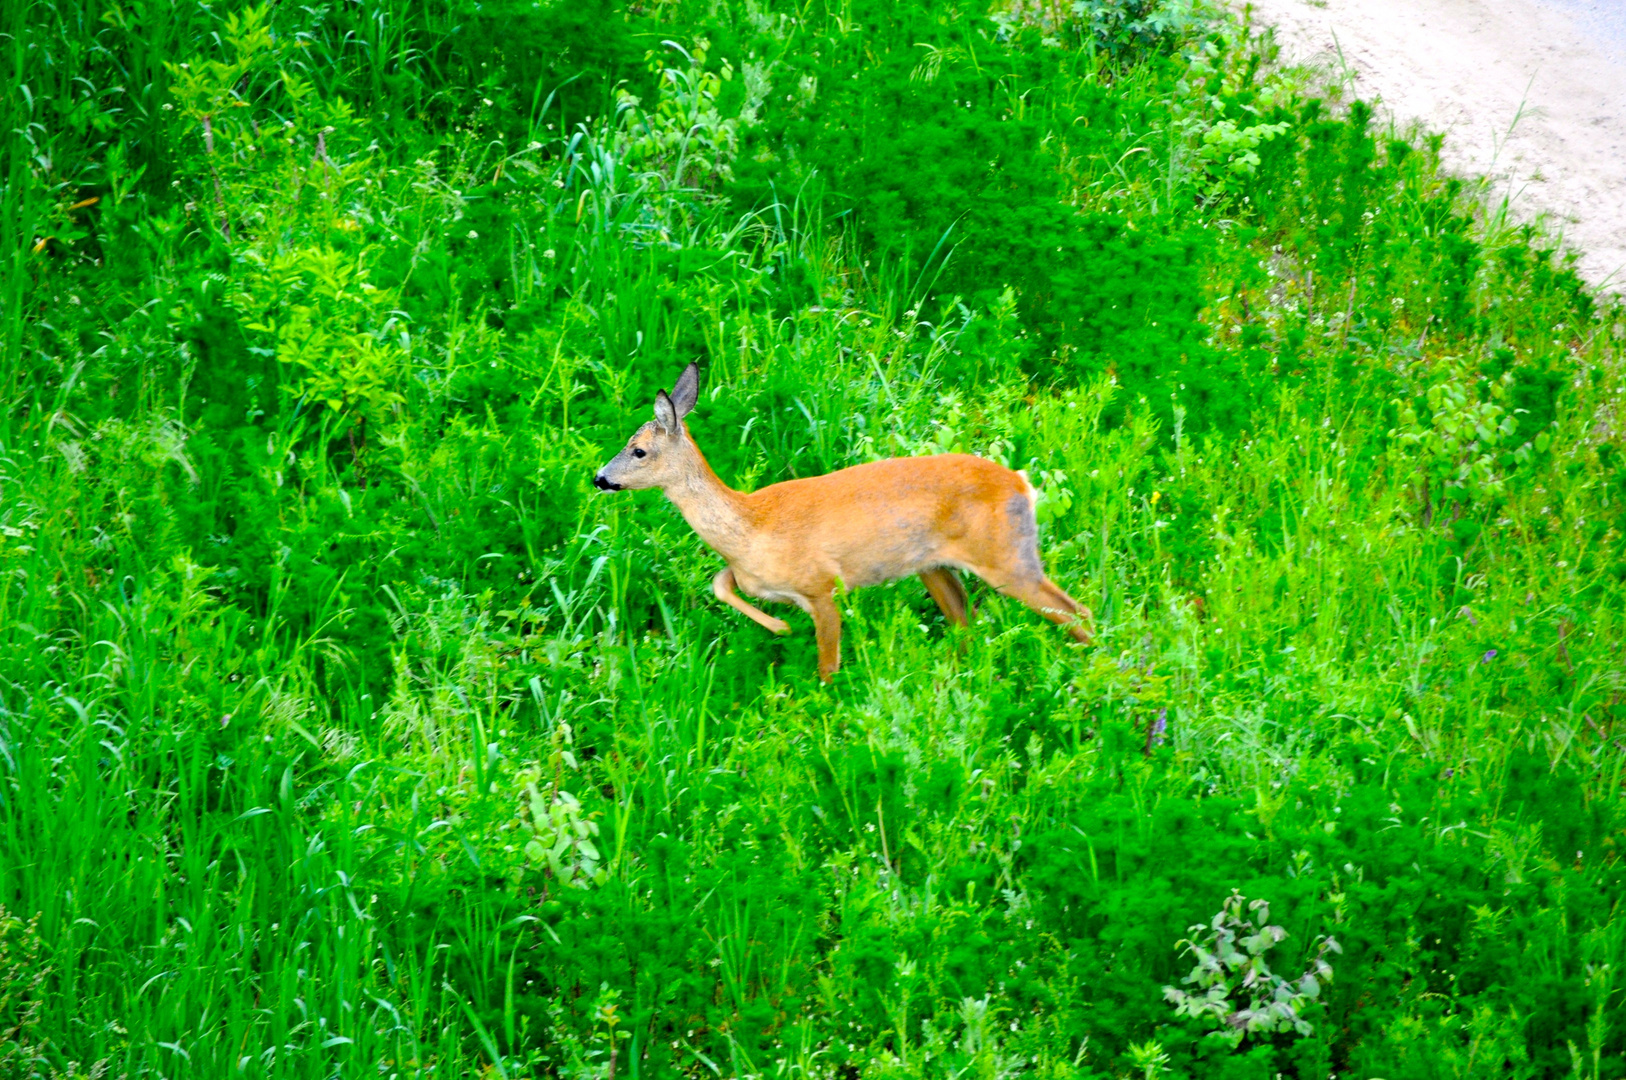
point(1490, 654)
point(1162, 726)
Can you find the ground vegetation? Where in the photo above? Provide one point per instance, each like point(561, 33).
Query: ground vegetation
point(346, 731)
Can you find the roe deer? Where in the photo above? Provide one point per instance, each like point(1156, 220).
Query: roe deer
point(794, 541)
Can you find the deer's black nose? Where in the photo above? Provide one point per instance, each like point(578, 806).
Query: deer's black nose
point(605, 485)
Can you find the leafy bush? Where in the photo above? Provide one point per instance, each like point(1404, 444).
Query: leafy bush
point(1273, 1003)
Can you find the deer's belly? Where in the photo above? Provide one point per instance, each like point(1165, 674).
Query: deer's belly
point(857, 559)
point(760, 589)
point(888, 558)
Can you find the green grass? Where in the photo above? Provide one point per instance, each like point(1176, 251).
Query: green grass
point(345, 731)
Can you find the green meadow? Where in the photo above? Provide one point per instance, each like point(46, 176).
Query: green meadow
point(347, 731)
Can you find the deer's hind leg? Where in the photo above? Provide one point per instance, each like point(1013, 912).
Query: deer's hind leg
point(947, 589)
point(1050, 600)
point(1013, 568)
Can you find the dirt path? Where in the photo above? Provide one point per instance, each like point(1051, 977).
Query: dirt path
point(1531, 93)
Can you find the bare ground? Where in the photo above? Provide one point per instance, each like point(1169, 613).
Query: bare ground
point(1529, 93)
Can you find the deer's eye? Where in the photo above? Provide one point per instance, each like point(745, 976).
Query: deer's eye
point(638, 453)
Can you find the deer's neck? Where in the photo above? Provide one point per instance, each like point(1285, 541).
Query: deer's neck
point(714, 510)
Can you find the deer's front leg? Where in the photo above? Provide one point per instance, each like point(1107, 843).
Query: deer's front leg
point(827, 625)
point(722, 587)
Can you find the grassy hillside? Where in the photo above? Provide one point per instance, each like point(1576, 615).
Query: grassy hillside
point(346, 731)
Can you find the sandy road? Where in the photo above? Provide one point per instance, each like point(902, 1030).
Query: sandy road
point(1531, 93)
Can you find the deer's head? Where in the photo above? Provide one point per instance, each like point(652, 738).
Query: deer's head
point(657, 454)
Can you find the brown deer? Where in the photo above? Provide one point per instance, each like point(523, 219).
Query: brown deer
point(795, 541)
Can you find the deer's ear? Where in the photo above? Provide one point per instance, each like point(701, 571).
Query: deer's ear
point(686, 390)
point(666, 414)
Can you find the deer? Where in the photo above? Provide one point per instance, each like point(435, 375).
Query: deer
point(799, 540)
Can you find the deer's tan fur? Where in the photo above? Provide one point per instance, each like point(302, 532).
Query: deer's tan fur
point(795, 541)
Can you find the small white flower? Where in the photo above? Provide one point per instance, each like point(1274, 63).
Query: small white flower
point(550, 253)
point(473, 235)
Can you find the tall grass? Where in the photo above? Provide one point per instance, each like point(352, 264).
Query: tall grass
point(345, 731)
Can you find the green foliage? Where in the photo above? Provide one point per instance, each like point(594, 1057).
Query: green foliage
point(343, 367)
point(22, 971)
point(344, 730)
point(534, 62)
point(1455, 450)
point(941, 143)
point(1121, 27)
point(1272, 1002)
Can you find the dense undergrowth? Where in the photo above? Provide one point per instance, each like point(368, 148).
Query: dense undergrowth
point(345, 731)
